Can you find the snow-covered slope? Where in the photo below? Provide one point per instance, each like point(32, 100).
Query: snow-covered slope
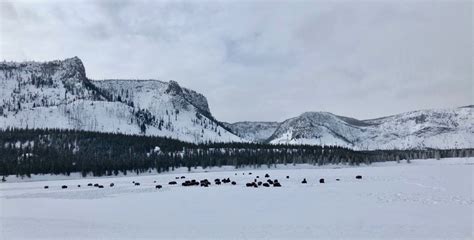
point(253, 131)
point(31, 84)
point(315, 128)
point(175, 111)
point(58, 94)
point(444, 129)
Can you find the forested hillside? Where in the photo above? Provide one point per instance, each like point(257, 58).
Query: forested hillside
point(24, 152)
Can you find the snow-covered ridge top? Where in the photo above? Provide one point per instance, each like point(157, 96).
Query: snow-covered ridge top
point(73, 64)
point(255, 122)
point(421, 111)
point(420, 116)
point(72, 60)
point(26, 85)
point(438, 128)
point(157, 88)
point(70, 72)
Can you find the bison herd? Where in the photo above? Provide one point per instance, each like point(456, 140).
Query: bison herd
point(268, 183)
point(89, 185)
point(206, 183)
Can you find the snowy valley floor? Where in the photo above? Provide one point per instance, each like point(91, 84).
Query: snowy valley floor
point(427, 199)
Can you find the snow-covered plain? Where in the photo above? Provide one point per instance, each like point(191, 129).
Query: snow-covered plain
point(426, 199)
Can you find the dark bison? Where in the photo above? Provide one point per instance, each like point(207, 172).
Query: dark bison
point(64, 186)
point(96, 185)
point(79, 185)
point(266, 185)
point(226, 180)
point(252, 184)
point(257, 177)
point(112, 184)
point(205, 183)
point(250, 173)
point(276, 184)
point(172, 183)
point(259, 183)
point(267, 176)
point(287, 177)
point(233, 183)
point(183, 177)
point(304, 181)
point(137, 184)
point(321, 180)
point(46, 187)
point(90, 184)
point(358, 177)
point(270, 181)
point(337, 179)
point(101, 186)
point(158, 186)
point(186, 183)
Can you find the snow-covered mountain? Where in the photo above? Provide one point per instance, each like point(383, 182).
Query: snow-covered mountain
point(253, 131)
point(444, 129)
point(58, 94)
point(176, 112)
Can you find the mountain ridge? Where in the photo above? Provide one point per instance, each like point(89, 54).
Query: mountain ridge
point(58, 94)
point(435, 128)
point(312, 126)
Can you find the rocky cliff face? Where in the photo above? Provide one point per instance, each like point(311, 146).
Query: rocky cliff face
point(58, 94)
point(31, 84)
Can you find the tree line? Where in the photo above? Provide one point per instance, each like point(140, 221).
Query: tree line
point(24, 152)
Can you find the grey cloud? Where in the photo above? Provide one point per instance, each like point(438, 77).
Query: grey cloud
point(8, 11)
point(261, 60)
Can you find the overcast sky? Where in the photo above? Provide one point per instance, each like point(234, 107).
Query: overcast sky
point(263, 60)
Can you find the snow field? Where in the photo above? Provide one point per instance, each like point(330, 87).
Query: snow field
point(427, 199)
